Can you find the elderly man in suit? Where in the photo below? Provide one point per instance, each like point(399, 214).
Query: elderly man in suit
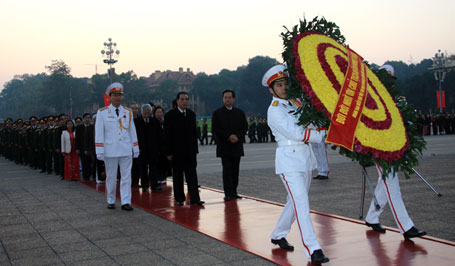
point(149, 136)
point(181, 149)
point(230, 126)
point(116, 144)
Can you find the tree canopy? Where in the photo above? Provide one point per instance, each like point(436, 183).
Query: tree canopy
point(57, 91)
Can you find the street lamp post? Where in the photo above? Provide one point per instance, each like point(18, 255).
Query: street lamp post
point(439, 61)
point(110, 53)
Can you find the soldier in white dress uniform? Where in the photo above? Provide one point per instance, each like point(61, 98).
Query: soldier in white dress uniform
point(116, 143)
point(320, 152)
point(388, 191)
point(294, 163)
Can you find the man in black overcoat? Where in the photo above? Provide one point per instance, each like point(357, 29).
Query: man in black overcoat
point(230, 126)
point(181, 147)
point(150, 140)
point(85, 145)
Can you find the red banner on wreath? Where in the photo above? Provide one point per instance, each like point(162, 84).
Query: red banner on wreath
point(350, 103)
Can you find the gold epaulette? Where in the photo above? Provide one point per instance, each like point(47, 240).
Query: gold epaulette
point(275, 103)
point(104, 108)
point(129, 109)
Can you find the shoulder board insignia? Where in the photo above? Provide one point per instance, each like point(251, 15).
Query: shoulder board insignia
point(275, 103)
point(104, 108)
point(129, 109)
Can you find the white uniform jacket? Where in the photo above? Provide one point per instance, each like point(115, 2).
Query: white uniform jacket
point(115, 136)
point(294, 153)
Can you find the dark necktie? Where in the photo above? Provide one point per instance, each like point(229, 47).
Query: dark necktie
point(184, 113)
point(116, 111)
point(146, 120)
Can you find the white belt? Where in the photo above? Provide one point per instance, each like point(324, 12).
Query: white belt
point(282, 143)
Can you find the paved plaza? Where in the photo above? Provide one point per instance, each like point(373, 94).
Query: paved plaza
point(45, 221)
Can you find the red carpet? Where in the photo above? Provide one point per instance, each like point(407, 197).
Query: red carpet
point(247, 224)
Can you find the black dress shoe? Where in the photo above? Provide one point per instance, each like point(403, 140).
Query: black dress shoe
point(321, 177)
point(227, 198)
point(413, 232)
point(238, 197)
point(376, 227)
point(127, 207)
point(318, 257)
point(283, 243)
point(200, 203)
point(179, 203)
point(111, 206)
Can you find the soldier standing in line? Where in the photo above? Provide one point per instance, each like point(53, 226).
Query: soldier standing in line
point(41, 140)
point(50, 143)
point(33, 149)
point(116, 144)
point(252, 131)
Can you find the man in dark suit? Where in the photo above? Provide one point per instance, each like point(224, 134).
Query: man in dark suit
point(230, 126)
point(85, 146)
point(181, 148)
point(150, 141)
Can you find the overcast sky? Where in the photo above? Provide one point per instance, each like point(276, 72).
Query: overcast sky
point(207, 36)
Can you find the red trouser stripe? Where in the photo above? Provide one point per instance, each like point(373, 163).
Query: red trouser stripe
point(390, 199)
point(296, 216)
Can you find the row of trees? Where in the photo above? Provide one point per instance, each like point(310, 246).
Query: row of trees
point(59, 92)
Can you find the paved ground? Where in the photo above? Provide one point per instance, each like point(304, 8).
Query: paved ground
point(45, 221)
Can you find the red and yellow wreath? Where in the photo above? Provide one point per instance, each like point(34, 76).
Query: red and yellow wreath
point(339, 90)
point(322, 65)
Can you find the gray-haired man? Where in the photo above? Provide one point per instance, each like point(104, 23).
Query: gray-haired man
point(150, 140)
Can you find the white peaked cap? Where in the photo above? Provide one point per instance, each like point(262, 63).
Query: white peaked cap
point(389, 69)
point(274, 73)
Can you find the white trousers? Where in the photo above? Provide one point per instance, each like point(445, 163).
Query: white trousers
point(388, 190)
point(320, 152)
point(112, 164)
point(297, 209)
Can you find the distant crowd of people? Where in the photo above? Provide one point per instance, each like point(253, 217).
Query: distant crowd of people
point(436, 124)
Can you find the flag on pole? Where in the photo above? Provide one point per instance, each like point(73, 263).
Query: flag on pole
point(441, 101)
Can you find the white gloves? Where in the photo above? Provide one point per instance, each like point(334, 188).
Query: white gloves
point(135, 155)
point(100, 157)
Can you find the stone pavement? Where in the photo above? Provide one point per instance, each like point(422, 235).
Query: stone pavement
point(45, 221)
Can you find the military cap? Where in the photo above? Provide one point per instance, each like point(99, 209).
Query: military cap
point(389, 69)
point(273, 74)
point(33, 118)
point(115, 87)
point(50, 118)
point(78, 119)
